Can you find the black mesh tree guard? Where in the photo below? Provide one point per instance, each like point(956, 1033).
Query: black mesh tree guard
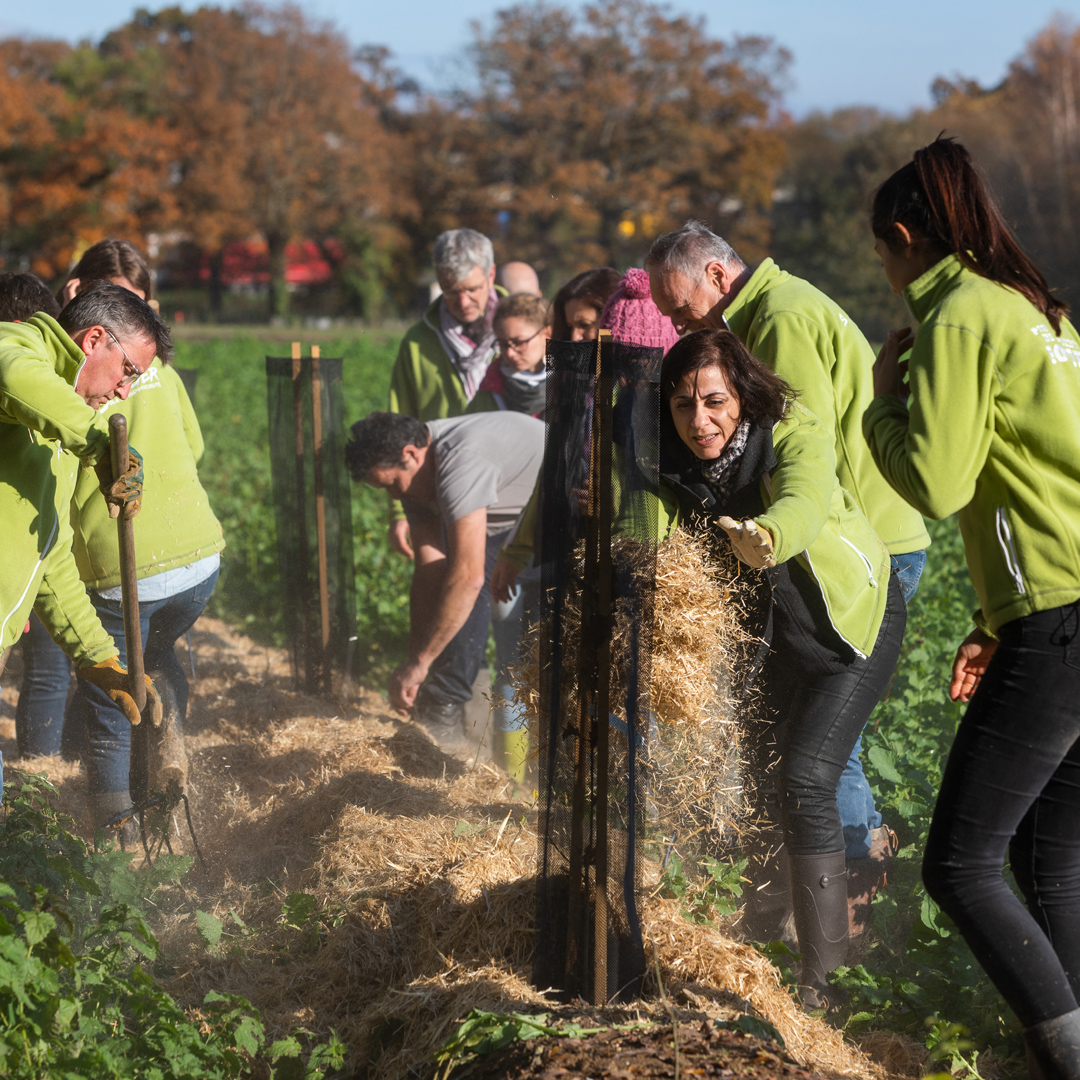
point(597, 545)
point(313, 514)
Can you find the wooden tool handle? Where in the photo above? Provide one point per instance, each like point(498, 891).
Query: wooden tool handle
point(129, 585)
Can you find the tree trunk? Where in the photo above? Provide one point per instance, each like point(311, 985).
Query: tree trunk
point(215, 285)
point(279, 294)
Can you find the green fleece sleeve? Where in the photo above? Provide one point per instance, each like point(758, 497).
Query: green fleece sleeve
point(63, 605)
point(933, 451)
point(800, 487)
point(34, 396)
point(800, 352)
point(518, 550)
point(403, 399)
point(484, 401)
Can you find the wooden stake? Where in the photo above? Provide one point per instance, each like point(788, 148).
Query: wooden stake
point(320, 516)
point(602, 422)
point(303, 647)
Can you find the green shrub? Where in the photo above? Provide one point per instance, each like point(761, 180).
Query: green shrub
point(76, 998)
point(230, 400)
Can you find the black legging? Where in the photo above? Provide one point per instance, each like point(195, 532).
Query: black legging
point(816, 720)
point(1012, 782)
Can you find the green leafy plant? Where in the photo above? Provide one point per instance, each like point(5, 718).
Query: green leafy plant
point(76, 998)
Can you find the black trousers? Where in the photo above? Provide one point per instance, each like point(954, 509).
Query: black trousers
point(1012, 783)
point(813, 720)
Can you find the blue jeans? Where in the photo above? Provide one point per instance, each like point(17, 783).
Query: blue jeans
point(854, 799)
point(108, 734)
point(452, 675)
point(40, 724)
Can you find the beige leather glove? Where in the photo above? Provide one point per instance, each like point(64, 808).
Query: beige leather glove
point(752, 545)
point(112, 677)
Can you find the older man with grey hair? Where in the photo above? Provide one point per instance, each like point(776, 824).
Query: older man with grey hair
point(443, 357)
point(54, 375)
point(699, 281)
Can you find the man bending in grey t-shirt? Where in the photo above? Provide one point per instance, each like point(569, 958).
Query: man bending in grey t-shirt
point(463, 482)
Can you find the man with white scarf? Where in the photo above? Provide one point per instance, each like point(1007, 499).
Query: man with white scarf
point(444, 356)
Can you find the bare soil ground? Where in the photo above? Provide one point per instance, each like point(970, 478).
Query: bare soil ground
point(420, 870)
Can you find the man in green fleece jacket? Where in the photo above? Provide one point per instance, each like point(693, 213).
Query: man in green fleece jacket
point(443, 358)
point(698, 281)
point(53, 375)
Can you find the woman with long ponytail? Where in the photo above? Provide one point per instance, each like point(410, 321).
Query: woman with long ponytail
point(987, 425)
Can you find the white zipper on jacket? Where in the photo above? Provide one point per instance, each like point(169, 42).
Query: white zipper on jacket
point(1008, 549)
point(858, 652)
point(869, 568)
point(817, 581)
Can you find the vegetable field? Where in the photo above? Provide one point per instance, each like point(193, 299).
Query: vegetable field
point(367, 908)
point(230, 400)
point(917, 976)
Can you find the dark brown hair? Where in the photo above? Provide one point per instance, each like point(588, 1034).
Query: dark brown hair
point(121, 312)
point(23, 295)
point(762, 394)
point(592, 286)
point(945, 204)
point(109, 259)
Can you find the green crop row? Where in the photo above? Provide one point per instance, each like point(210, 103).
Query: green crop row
point(230, 400)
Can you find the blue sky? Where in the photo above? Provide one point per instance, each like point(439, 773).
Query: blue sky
point(847, 52)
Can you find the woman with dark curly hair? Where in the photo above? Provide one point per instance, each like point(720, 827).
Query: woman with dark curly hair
point(747, 462)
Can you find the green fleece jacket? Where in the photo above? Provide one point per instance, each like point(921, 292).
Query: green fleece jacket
point(424, 382)
point(815, 521)
point(175, 526)
point(45, 430)
point(992, 430)
point(802, 335)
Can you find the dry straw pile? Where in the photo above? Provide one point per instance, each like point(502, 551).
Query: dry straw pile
point(697, 641)
point(422, 877)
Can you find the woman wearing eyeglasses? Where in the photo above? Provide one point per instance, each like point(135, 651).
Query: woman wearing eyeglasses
point(515, 379)
point(178, 541)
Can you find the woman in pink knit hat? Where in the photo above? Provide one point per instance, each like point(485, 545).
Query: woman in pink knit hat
point(631, 315)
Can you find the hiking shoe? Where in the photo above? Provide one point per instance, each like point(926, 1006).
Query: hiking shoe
point(868, 876)
point(442, 723)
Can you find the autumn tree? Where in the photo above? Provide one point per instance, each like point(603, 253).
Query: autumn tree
point(821, 213)
point(76, 163)
point(589, 134)
point(279, 133)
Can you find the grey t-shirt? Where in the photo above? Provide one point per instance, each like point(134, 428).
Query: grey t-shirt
point(486, 459)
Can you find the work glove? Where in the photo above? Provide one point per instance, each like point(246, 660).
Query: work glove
point(111, 677)
point(125, 492)
point(751, 544)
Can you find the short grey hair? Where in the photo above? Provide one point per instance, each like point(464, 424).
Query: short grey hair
point(119, 310)
point(457, 251)
point(689, 250)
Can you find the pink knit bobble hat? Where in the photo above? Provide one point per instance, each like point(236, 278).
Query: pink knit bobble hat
point(631, 315)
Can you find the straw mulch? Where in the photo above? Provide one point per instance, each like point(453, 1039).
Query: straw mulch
point(697, 641)
point(421, 872)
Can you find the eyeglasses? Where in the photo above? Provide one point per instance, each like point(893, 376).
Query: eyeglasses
point(131, 372)
point(517, 344)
